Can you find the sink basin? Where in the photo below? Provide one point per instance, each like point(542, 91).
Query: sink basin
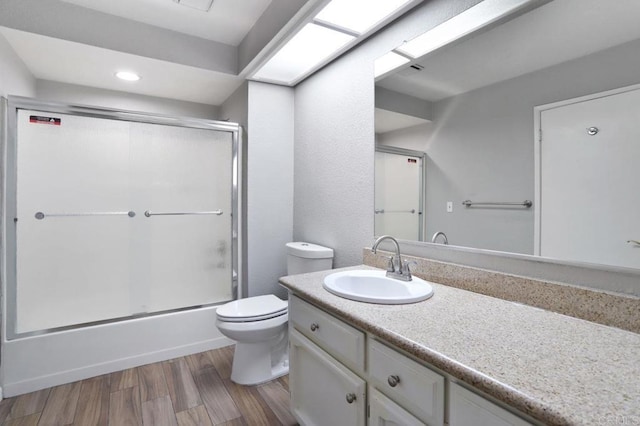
point(375, 287)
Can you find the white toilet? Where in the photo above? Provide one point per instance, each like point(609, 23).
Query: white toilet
point(259, 324)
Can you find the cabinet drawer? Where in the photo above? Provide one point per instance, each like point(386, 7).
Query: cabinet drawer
point(344, 342)
point(408, 383)
point(468, 409)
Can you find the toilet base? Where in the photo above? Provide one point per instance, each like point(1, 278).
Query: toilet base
point(253, 363)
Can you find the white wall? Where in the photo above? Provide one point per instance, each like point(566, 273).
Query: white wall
point(83, 95)
point(334, 131)
point(15, 78)
point(269, 185)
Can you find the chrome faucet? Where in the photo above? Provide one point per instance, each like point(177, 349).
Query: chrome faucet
point(396, 268)
point(437, 234)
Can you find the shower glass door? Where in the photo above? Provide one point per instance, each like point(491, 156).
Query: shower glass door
point(117, 217)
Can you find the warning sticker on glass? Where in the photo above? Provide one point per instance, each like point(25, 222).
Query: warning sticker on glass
point(39, 119)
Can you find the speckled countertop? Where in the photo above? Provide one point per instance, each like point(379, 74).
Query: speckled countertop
point(558, 369)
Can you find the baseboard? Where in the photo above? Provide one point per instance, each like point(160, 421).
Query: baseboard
point(42, 382)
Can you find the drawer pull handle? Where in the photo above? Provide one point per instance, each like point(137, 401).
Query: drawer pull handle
point(393, 381)
point(351, 397)
point(314, 326)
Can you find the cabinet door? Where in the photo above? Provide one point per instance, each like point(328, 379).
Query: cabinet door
point(384, 412)
point(323, 392)
point(468, 409)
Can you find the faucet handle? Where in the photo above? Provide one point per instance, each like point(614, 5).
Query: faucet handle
point(405, 267)
point(391, 265)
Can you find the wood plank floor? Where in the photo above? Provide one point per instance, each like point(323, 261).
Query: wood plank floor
point(187, 391)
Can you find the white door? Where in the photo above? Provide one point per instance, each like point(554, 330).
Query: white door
point(323, 391)
point(398, 183)
point(588, 180)
point(384, 412)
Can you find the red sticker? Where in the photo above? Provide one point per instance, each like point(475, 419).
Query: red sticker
point(411, 160)
point(44, 120)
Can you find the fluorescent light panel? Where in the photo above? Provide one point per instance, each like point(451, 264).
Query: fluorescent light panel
point(470, 20)
point(358, 15)
point(307, 49)
point(388, 62)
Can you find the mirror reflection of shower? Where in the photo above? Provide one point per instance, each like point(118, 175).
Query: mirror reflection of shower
point(399, 183)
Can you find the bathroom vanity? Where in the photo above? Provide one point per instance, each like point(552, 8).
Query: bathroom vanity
point(459, 358)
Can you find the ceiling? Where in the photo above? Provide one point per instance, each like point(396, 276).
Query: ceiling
point(68, 62)
point(228, 21)
point(554, 33)
point(181, 53)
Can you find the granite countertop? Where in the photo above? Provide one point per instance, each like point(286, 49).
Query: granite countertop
point(558, 369)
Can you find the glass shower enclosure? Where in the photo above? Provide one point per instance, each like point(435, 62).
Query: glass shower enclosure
point(111, 215)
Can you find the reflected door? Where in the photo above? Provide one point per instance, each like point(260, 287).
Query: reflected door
point(589, 189)
point(398, 195)
point(86, 251)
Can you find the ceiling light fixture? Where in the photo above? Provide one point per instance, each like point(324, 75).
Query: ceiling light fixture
point(310, 46)
point(127, 76)
point(358, 16)
point(338, 26)
point(472, 19)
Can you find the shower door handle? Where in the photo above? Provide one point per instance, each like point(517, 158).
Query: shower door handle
point(41, 215)
point(149, 213)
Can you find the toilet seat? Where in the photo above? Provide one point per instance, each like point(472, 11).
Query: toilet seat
point(251, 309)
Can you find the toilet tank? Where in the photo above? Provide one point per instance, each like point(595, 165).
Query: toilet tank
point(306, 257)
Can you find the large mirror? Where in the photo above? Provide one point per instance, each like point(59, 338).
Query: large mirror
point(522, 136)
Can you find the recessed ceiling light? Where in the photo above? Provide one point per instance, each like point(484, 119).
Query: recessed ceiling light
point(127, 76)
point(358, 15)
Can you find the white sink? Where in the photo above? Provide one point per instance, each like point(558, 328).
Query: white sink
point(375, 287)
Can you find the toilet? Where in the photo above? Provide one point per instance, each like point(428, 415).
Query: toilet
point(259, 324)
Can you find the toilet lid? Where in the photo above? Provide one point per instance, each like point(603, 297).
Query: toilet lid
point(252, 309)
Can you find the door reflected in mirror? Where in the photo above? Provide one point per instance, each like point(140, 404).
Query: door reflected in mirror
point(533, 123)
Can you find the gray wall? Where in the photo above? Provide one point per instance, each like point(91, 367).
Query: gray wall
point(269, 185)
point(334, 132)
point(15, 78)
point(480, 147)
point(71, 93)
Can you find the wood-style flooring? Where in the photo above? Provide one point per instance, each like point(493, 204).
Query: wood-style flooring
point(187, 391)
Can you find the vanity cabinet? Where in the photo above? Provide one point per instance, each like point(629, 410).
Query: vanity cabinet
point(330, 383)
